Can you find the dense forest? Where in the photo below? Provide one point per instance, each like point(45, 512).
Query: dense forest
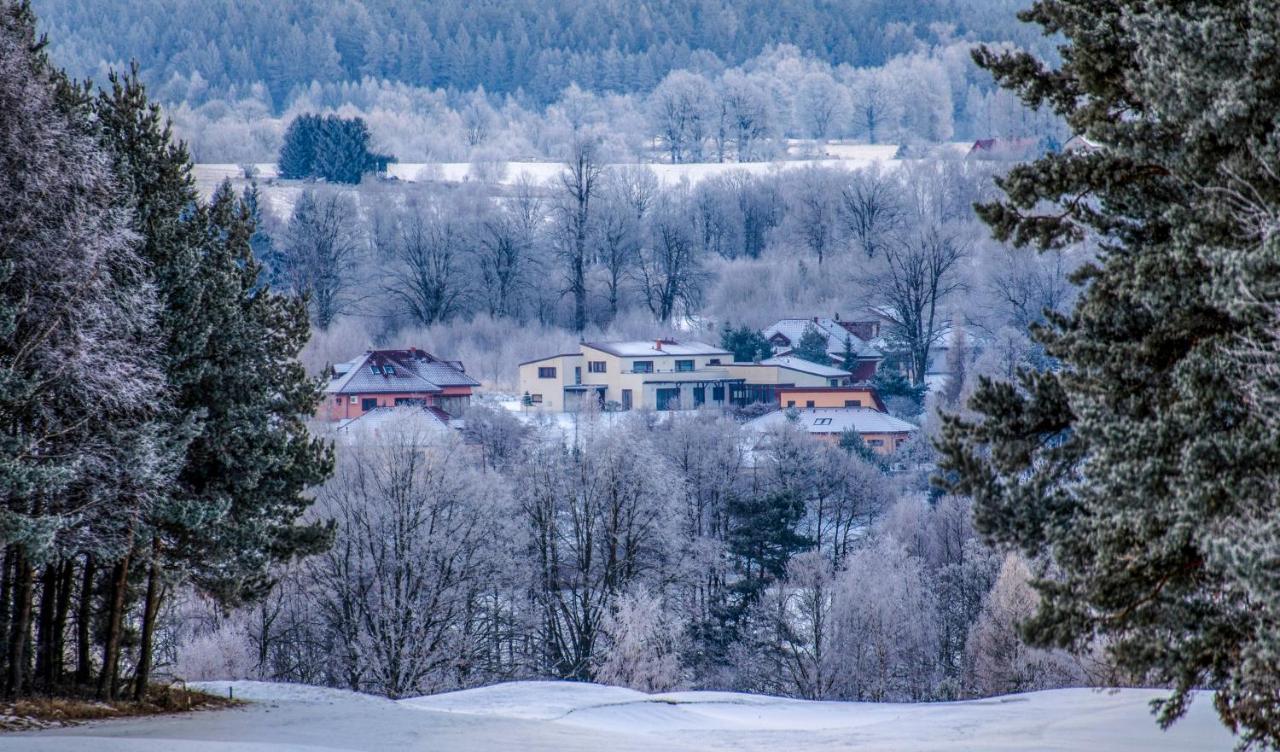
point(502, 46)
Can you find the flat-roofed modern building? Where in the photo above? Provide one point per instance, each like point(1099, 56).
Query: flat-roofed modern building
point(663, 374)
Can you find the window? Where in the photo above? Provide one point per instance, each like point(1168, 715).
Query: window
point(791, 403)
point(535, 399)
point(875, 442)
point(684, 366)
point(595, 366)
point(822, 422)
point(354, 399)
point(337, 400)
point(368, 403)
point(717, 393)
point(577, 374)
point(713, 362)
point(389, 370)
point(808, 403)
point(668, 399)
point(853, 403)
point(546, 372)
point(642, 366)
point(626, 399)
point(375, 369)
point(699, 396)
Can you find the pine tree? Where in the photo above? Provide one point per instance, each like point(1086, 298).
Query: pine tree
point(1142, 467)
point(813, 346)
point(746, 344)
point(79, 453)
point(848, 359)
point(298, 152)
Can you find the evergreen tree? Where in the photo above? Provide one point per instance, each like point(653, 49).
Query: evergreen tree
point(746, 344)
point(848, 359)
point(298, 152)
point(1143, 467)
point(79, 454)
point(812, 346)
point(762, 538)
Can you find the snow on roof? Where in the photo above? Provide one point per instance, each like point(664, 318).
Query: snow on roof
point(834, 331)
point(410, 371)
point(643, 348)
point(805, 366)
point(834, 420)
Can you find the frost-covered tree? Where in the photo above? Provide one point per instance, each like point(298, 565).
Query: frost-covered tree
point(1143, 466)
point(322, 254)
point(642, 644)
point(999, 661)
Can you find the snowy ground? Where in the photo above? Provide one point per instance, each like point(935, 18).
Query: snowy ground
point(579, 717)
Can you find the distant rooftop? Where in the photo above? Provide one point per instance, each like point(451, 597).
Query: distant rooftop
point(805, 366)
point(656, 348)
point(410, 371)
point(834, 420)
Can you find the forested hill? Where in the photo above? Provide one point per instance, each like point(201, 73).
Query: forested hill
point(533, 46)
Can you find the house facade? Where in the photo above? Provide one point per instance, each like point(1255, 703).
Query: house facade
point(784, 335)
point(831, 396)
point(397, 378)
point(663, 375)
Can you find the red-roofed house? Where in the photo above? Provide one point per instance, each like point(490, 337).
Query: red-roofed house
point(397, 378)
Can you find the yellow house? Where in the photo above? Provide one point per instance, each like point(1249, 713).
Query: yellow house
point(663, 375)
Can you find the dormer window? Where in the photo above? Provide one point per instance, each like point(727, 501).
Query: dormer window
point(389, 370)
point(376, 370)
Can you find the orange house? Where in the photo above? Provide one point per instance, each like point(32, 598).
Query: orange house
point(397, 378)
point(830, 396)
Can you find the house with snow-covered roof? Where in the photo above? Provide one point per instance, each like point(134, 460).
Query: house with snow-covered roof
point(858, 335)
point(397, 378)
point(882, 432)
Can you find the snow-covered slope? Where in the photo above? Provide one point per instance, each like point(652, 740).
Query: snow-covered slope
point(579, 717)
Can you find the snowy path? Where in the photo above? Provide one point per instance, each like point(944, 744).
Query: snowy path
point(581, 717)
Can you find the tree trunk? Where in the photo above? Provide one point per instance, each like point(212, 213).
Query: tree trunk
point(68, 579)
point(6, 607)
point(20, 625)
point(150, 610)
point(115, 618)
point(44, 627)
point(84, 615)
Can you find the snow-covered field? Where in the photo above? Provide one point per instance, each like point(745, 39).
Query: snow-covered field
point(580, 717)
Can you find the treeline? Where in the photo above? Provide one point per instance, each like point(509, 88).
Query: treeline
point(151, 407)
point(525, 46)
point(655, 555)
point(695, 113)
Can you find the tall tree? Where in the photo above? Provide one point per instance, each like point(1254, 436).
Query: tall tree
point(579, 183)
point(1144, 467)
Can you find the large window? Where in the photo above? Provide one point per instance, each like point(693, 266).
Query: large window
point(626, 399)
point(717, 393)
point(668, 399)
point(546, 372)
point(595, 366)
point(642, 366)
point(684, 366)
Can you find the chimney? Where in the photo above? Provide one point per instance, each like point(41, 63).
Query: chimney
point(657, 345)
point(815, 319)
point(837, 316)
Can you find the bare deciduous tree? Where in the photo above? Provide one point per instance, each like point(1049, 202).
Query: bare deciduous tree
point(579, 183)
point(323, 254)
point(916, 276)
